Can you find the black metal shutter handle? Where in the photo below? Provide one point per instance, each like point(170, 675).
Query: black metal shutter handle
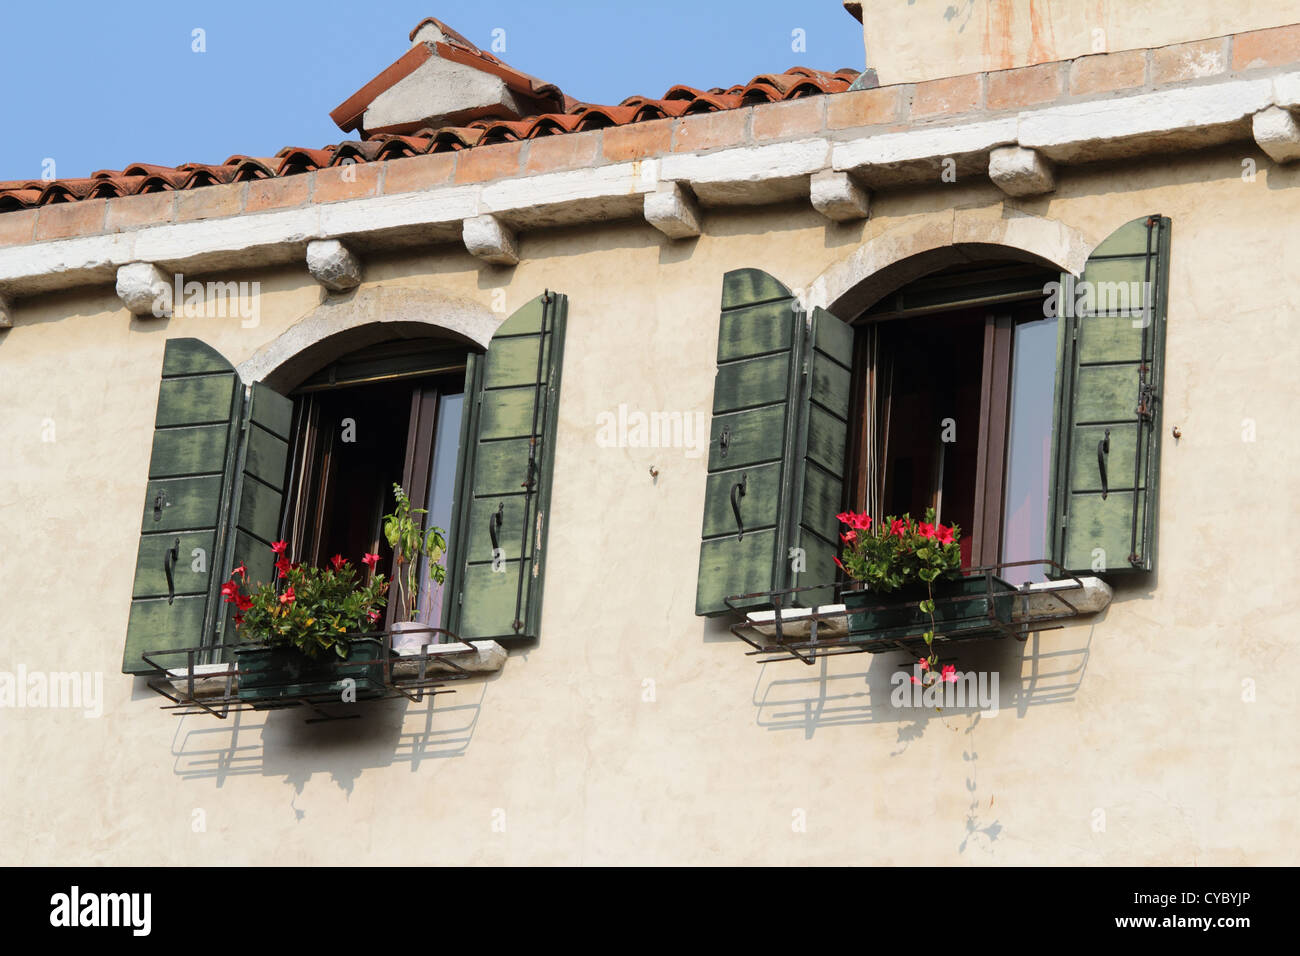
point(1103, 452)
point(170, 558)
point(740, 486)
point(494, 526)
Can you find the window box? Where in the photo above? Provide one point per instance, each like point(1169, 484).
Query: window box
point(268, 675)
point(972, 607)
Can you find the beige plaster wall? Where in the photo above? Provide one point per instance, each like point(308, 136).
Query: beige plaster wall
point(923, 39)
point(1138, 714)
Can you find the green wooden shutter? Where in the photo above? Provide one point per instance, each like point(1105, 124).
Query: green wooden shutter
point(824, 428)
point(1109, 399)
point(776, 455)
point(503, 481)
point(194, 430)
point(258, 493)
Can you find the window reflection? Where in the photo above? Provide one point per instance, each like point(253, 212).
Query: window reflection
point(442, 480)
point(1024, 532)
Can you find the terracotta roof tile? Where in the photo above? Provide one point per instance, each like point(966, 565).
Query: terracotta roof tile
point(556, 114)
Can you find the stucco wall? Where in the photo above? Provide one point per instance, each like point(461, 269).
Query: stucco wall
point(923, 39)
point(1138, 714)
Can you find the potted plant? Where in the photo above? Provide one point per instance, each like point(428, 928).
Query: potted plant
point(411, 543)
point(912, 585)
point(306, 630)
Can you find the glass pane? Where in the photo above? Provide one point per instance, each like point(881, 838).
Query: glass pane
point(1033, 372)
point(442, 482)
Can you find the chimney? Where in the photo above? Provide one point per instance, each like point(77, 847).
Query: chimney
point(444, 80)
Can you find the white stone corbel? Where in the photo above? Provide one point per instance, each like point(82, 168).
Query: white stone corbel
point(6, 312)
point(1277, 133)
point(1021, 172)
point(144, 290)
point(673, 211)
point(333, 265)
point(491, 240)
point(838, 197)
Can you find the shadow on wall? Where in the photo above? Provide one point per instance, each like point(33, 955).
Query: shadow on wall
point(799, 697)
point(282, 744)
point(794, 696)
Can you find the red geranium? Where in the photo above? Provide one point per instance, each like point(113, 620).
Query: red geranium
point(338, 561)
point(284, 567)
point(280, 547)
point(288, 596)
point(370, 560)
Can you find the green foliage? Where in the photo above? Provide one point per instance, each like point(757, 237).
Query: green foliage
point(311, 609)
point(410, 542)
point(890, 554)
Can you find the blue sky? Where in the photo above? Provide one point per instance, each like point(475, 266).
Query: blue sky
point(94, 88)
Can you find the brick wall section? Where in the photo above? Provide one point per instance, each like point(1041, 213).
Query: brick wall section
point(836, 116)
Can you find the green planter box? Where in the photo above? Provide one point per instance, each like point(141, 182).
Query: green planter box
point(963, 610)
point(271, 675)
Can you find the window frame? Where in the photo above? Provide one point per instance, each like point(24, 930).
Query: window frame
point(1006, 291)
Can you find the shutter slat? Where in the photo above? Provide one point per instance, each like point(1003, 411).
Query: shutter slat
point(196, 418)
point(1110, 348)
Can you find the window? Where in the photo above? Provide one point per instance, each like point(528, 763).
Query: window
point(376, 418)
point(1051, 386)
point(236, 466)
point(957, 409)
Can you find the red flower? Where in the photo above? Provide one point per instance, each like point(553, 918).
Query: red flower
point(239, 620)
point(915, 680)
point(283, 566)
point(950, 673)
point(898, 527)
point(373, 615)
point(849, 537)
point(241, 571)
point(840, 566)
point(243, 602)
point(943, 535)
point(859, 522)
point(370, 560)
point(288, 596)
point(925, 663)
point(228, 591)
point(338, 561)
point(279, 547)
point(925, 530)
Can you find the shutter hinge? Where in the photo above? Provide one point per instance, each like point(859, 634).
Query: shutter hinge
point(460, 597)
point(1146, 401)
